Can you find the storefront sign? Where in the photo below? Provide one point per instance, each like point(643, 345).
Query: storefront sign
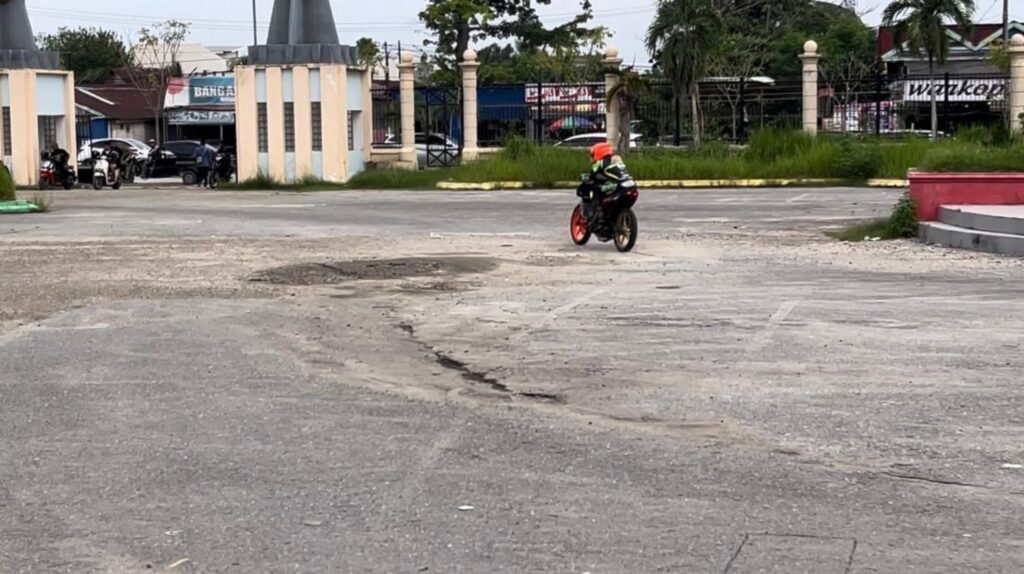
point(556, 98)
point(200, 117)
point(200, 91)
point(956, 90)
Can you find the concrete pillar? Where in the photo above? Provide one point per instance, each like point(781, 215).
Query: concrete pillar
point(612, 61)
point(407, 100)
point(810, 59)
point(1017, 82)
point(470, 147)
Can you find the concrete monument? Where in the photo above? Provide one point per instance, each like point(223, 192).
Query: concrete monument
point(302, 32)
point(17, 44)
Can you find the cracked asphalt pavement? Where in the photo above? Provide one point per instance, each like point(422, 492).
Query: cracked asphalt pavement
point(441, 382)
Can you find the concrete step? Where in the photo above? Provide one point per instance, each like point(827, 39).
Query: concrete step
point(1007, 219)
point(977, 240)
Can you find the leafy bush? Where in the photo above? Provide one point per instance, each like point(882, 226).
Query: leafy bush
point(859, 161)
point(975, 158)
point(903, 221)
point(6, 185)
point(770, 144)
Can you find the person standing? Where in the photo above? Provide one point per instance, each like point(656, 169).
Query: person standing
point(204, 162)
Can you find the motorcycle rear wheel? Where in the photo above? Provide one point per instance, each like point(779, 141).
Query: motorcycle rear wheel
point(579, 229)
point(625, 230)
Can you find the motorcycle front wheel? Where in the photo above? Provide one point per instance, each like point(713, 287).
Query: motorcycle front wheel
point(625, 230)
point(97, 183)
point(579, 229)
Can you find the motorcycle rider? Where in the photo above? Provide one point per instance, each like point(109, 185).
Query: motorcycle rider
point(59, 158)
point(608, 174)
point(113, 163)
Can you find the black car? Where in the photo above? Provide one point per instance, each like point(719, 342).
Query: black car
point(169, 159)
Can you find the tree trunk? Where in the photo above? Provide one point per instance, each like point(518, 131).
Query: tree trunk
point(695, 111)
point(461, 40)
point(625, 118)
point(935, 105)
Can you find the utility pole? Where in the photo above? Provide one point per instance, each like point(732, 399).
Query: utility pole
point(387, 67)
point(255, 37)
point(1006, 22)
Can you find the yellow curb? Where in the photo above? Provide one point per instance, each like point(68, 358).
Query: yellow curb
point(709, 183)
point(888, 183)
point(674, 184)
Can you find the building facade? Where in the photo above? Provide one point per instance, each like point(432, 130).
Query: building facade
point(302, 121)
point(37, 108)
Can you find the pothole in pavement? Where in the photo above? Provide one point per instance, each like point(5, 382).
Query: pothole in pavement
point(332, 273)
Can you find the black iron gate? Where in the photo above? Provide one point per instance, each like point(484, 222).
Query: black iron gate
point(439, 130)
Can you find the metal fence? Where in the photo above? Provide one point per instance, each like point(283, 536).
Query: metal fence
point(881, 105)
point(729, 109)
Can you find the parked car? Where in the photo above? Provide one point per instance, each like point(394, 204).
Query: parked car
point(587, 140)
point(123, 145)
point(442, 149)
point(173, 158)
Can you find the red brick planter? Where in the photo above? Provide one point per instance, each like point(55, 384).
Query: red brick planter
point(930, 190)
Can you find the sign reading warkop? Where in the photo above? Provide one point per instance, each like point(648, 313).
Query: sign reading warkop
point(956, 90)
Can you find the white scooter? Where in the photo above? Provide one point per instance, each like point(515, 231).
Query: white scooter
point(102, 174)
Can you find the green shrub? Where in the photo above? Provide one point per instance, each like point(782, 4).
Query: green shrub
point(859, 161)
point(6, 185)
point(903, 221)
point(975, 158)
point(770, 144)
point(518, 147)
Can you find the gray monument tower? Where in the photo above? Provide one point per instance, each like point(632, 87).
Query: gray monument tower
point(17, 45)
point(302, 32)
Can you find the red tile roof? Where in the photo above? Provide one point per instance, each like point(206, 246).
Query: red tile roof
point(119, 101)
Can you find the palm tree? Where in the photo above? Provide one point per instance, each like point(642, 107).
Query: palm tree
point(624, 97)
point(921, 24)
point(682, 39)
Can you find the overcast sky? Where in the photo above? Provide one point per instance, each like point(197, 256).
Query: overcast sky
point(229, 22)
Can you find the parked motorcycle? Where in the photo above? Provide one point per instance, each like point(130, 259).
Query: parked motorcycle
point(105, 172)
point(52, 175)
point(613, 218)
point(133, 166)
point(223, 168)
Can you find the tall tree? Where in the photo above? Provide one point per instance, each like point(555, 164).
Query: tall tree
point(92, 54)
point(153, 63)
point(457, 23)
point(368, 53)
point(921, 24)
point(848, 50)
point(682, 40)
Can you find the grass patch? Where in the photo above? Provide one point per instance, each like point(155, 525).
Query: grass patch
point(976, 157)
point(771, 155)
point(900, 224)
point(43, 201)
point(264, 182)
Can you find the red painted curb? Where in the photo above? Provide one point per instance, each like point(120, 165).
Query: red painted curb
point(930, 190)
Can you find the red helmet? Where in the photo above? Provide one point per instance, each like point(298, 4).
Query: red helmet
point(600, 151)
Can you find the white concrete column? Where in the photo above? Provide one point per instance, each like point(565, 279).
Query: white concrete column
point(810, 59)
point(407, 101)
point(469, 65)
point(612, 61)
point(1017, 82)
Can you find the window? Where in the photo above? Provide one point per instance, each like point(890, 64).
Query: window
point(7, 130)
point(261, 126)
point(47, 131)
point(351, 132)
point(318, 126)
point(289, 126)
